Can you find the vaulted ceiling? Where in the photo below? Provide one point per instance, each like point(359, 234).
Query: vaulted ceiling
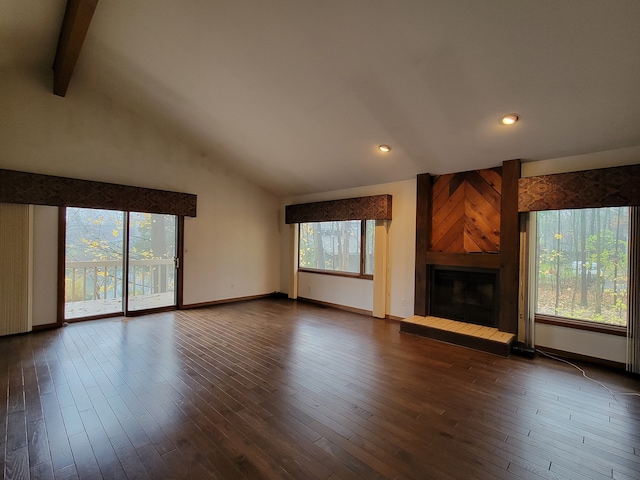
point(297, 94)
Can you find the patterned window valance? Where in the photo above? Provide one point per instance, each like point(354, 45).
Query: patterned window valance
point(604, 187)
point(37, 189)
point(377, 207)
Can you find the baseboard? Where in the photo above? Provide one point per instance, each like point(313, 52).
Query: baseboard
point(46, 326)
point(393, 318)
point(229, 300)
point(583, 358)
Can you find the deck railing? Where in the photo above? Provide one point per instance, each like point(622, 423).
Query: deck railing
point(103, 279)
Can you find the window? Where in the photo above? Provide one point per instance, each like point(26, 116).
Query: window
point(337, 247)
point(582, 264)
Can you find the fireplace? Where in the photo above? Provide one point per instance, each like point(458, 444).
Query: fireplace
point(465, 294)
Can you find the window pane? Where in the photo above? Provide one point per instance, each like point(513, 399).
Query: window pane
point(152, 251)
point(582, 258)
point(370, 243)
point(93, 262)
point(333, 246)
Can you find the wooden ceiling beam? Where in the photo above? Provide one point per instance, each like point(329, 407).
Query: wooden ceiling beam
point(75, 25)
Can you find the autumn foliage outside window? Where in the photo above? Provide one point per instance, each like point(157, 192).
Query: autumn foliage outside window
point(338, 247)
point(582, 264)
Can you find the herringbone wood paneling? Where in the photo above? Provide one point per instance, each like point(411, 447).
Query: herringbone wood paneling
point(466, 212)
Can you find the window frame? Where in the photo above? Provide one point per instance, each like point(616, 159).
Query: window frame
point(578, 324)
point(575, 323)
point(340, 273)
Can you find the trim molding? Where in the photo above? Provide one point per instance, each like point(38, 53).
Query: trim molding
point(46, 326)
point(150, 311)
point(335, 273)
point(581, 325)
point(93, 317)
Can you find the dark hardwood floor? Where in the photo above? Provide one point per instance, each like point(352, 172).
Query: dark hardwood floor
point(279, 389)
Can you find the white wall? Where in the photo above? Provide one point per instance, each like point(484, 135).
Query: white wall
point(45, 264)
point(358, 293)
point(592, 344)
point(576, 163)
point(349, 292)
point(231, 247)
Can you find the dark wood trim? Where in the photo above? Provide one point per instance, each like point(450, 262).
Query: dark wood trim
point(375, 207)
point(478, 260)
point(423, 236)
point(46, 326)
point(38, 189)
point(95, 317)
point(581, 325)
point(77, 18)
point(62, 241)
point(227, 300)
point(180, 272)
point(336, 273)
point(393, 318)
point(125, 264)
point(509, 248)
point(337, 306)
point(633, 285)
point(581, 358)
point(148, 311)
point(363, 244)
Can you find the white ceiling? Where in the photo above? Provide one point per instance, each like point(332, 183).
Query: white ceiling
point(297, 94)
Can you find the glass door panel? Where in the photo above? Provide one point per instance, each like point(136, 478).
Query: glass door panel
point(151, 261)
point(94, 262)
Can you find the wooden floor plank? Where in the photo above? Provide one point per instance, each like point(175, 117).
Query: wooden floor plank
point(275, 388)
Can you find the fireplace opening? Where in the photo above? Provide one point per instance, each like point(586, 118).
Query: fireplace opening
point(466, 294)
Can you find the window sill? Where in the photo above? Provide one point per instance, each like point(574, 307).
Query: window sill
point(336, 274)
point(582, 325)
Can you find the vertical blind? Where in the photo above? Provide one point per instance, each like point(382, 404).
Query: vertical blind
point(15, 271)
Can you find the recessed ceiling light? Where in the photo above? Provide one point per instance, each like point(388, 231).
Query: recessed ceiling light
point(384, 148)
point(510, 119)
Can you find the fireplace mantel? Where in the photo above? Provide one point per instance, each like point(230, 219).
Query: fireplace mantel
point(477, 260)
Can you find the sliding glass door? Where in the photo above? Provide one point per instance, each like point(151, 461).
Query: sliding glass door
point(101, 280)
point(94, 265)
point(151, 261)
